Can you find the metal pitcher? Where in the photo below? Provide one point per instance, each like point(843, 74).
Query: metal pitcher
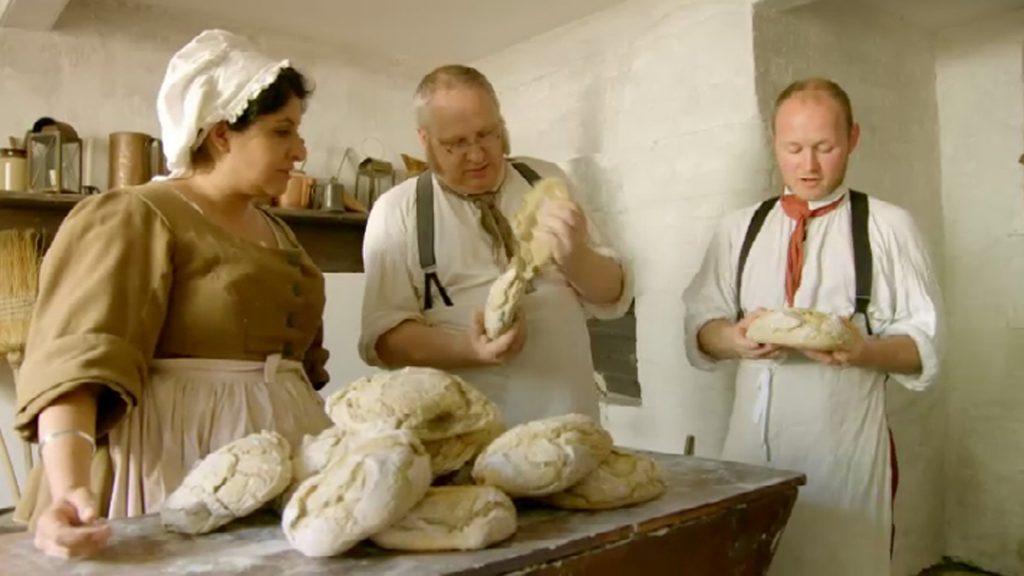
point(135, 158)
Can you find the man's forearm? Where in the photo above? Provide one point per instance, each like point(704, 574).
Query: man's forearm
point(413, 343)
point(597, 278)
point(897, 354)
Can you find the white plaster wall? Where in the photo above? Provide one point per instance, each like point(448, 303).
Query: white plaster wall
point(981, 111)
point(888, 68)
point(651, 108)
point(100, 71)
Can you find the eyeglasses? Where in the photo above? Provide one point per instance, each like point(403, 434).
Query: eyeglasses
point(463, 146)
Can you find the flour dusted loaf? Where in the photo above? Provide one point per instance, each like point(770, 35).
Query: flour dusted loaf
point(432, 404)
point(231, 482)
point(378, 480)
point(544, 456)
point(453, 518)
point(800, 328)
point(502, 305)
point(623, 479)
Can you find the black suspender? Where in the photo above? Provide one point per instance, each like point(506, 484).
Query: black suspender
point(425, 240)
point(861, 251)
point(753, 229)
point(425, 231)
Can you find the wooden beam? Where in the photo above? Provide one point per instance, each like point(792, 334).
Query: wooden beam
point(31, 14)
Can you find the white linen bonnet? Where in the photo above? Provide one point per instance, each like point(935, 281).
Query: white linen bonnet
point(211, 79)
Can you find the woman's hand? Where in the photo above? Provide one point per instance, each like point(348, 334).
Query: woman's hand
point(70, 526)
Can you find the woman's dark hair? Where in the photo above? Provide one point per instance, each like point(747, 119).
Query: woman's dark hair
point(289, 83)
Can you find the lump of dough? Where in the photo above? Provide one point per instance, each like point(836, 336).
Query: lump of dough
point(378, 480)
point(800, 328)
point(502, 305)
point(544, 456)
point(453, 518)
point(534, 251)
point(229, 483)
point(623, 479)
point(431, 403)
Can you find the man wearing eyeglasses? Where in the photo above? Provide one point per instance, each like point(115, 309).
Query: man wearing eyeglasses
point(434, 245)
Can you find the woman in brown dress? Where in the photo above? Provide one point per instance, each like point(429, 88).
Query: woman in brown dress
point(176, 316)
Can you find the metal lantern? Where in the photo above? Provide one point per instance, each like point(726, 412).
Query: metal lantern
point(54, 159)
point(373, 178)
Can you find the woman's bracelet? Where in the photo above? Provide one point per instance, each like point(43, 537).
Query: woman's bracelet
point(69, 432)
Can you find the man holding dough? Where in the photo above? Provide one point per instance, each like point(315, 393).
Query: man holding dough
point(435, 244)
point(819, 412)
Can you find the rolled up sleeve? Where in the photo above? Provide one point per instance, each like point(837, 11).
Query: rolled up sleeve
point(103, 293)
point(711, 294)
point(390, 296)
point(916, 301)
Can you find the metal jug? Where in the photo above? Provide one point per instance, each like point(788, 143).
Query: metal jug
point(330, 196)
point(135, 158)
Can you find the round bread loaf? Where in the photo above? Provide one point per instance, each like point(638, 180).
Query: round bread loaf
point(431, 403)
point(543, 457)
point(453, 518)
point(378, 480)
point(230, 482)
point(623, 479)
point(800, 328)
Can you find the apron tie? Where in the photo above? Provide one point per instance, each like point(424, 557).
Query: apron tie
point(270, 367)
point(762, 405)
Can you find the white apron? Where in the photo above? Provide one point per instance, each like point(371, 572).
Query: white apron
point(830, 424)
point(190, 407)
point(553, 374)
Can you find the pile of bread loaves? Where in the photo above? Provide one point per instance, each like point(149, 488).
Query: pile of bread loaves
point(417, 460)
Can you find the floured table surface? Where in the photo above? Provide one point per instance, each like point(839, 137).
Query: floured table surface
point(699, 491)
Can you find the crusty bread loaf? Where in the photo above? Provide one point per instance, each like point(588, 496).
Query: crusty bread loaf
point(453, 518)
point(379, 479)
point(623, 479)
point(543, 457)
point(800, 328)
point(229, 483)
point(433, 404)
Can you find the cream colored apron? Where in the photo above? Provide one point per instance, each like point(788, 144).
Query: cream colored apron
point(190, 407)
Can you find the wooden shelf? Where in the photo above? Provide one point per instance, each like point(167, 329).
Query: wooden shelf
point(332, 239)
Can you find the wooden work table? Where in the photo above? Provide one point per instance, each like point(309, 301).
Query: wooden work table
point(333, 240)
point(717, 518)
